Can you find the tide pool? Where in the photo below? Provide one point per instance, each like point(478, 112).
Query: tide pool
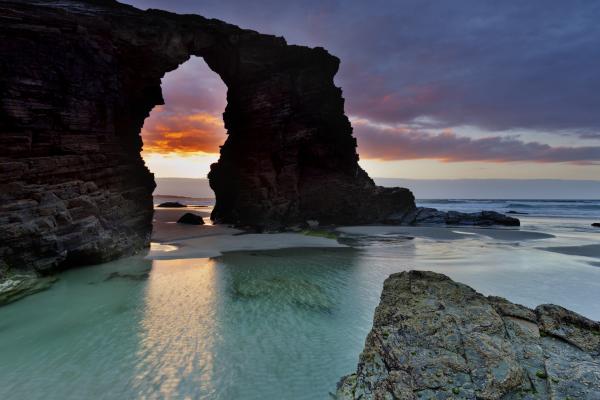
point(252, 325)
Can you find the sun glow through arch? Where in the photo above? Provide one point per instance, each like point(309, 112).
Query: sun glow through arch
point(182, 137)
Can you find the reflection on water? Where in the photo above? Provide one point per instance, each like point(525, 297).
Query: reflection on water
point(178, 330)
point(248, 325)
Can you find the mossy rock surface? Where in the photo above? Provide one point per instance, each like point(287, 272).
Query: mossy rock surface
point(18, 286)
point(439, 339)
point(320, 233)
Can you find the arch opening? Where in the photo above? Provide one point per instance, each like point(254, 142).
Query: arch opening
point(182, 137)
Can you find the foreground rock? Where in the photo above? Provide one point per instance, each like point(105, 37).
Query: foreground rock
point(191, 219)
point(434, 338)
point(77, 80)
point(18, 286)
point(423, 215)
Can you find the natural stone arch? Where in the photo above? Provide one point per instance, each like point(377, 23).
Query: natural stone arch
point(80, 76)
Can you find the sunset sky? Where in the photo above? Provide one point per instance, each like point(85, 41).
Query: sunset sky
point(470, 89)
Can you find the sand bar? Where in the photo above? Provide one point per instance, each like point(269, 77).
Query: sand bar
point(216, 245)
point(175, 241)
point(586, 250)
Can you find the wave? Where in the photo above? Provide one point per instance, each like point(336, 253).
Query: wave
point(563, 205)
point(443, 201)
point(522, 205)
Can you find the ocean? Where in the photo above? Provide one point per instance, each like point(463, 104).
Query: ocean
point(274, 324)
point(589, 209)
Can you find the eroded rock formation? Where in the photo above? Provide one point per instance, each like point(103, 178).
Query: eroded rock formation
point(433, 338)
point(77, 80)
point(425, 215)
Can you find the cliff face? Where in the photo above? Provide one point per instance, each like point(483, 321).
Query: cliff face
point(433, 338)
point(77, 80)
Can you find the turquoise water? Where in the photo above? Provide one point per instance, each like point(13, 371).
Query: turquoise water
point(251, 325)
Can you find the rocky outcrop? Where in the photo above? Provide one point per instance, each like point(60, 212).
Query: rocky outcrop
point(434, 338)
point(77, 80)
point(191, 219)
point(423, 215)
point(596, 224)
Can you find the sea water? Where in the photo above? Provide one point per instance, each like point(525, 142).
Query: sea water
point(542, 208)
point(283, 324)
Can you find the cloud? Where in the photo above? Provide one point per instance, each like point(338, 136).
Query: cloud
point(191, 119)
point(406, 143)
point(494, 66)
point(170, 132)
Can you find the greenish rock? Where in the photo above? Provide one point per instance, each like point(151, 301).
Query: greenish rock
point(320, 233)
point(16, 287)
point(433, 338)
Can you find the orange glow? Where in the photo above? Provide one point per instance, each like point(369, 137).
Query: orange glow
point(165, 132)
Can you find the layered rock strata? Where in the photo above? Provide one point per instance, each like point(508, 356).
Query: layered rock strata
point(434, 338)
point(77, 80)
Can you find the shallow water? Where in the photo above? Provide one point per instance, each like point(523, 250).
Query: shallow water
point(255, 325)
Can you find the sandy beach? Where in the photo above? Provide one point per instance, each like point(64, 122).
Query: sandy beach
point(589, 250)
point(201, 241)
point(172, 240)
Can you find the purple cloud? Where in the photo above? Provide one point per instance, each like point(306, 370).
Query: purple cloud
point(387, 143)
point(495, 66)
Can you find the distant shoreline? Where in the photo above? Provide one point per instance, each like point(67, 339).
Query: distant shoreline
point(432, 189)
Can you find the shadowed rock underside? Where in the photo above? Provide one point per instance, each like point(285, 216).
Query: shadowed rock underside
point(77, 80)
point(433, 338)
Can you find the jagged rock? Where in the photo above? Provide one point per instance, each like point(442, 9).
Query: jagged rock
point(482, 218)
point(77, 80)
point(424, 215)
point(191, 219)
point(16, 287)
point(172, 204)
point(434, 338)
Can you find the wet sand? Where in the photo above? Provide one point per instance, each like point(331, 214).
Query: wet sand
point(588, 250)
point(199, 241)
point(446, 233)
point(166, 229)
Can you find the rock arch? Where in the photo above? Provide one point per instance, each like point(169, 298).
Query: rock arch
point(77, 80)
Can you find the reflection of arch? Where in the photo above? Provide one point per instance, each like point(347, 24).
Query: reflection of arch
point(75, 95)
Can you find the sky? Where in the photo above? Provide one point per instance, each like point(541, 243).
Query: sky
point(434, 89)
